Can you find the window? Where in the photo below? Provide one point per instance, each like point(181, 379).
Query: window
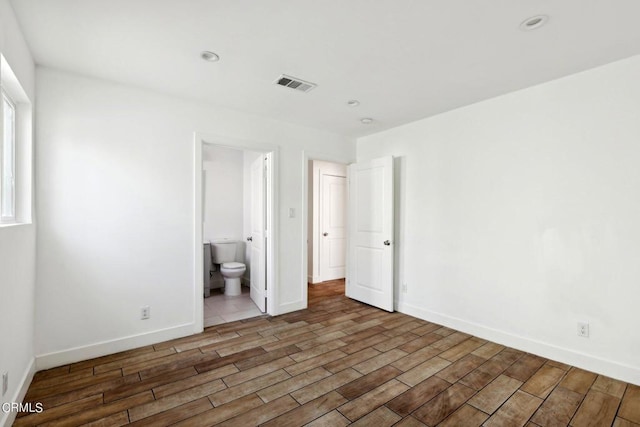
point(7, 177)
point(16, 150)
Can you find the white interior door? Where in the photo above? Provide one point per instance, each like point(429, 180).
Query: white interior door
point(258, 247)
point(333, 238)
point(370, 262)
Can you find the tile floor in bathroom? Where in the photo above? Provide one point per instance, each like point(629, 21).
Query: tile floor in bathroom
point(219, 308)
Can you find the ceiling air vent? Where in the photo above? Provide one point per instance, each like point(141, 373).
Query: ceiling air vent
point(295, 83)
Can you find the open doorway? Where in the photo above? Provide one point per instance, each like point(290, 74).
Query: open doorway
point(327, 228)
point(369, 240)
point(233, 228)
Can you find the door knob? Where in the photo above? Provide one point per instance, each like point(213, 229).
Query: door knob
point(325, 234)
point(249, 239)
point(387, 243)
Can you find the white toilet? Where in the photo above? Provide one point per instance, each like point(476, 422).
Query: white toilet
point(223, 252)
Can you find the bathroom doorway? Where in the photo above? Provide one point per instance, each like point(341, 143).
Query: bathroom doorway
point(234, 225)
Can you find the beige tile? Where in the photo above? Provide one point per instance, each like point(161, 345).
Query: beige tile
point(630, 407)
point(558, 409)
point(488, 350)
point(258, 371)
point(467, 416)
point(368, 402)
point(222, 413)
point(324, 386)
point(578, 380)
point(417, 396)
point(596, 409)
point(609, 386)
point(621, 422)
point(262, 414)
point(331, 419)
point(241, 315)
point(309, 411)
point(495, 394)
point(292, 384)
point(248, 387)
point(515, 411)
point(175, 400)
point(423, 371)
point(410, 422)
point(443, 405)
point(381, 417)
point(543, 381)
point(379, 361)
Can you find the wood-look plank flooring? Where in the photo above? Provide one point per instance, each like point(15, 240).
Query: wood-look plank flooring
point(337, 363)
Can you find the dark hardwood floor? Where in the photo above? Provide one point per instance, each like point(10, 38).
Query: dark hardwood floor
point(336, 363)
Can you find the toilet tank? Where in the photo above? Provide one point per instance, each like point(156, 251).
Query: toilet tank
point(223, 251)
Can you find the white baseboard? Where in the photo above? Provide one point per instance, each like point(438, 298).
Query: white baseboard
point(588, 362)
point(8, 418)
point(291, 306)
point(315, 279)
point(72, 355)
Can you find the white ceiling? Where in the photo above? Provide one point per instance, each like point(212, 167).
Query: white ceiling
point(403, 59)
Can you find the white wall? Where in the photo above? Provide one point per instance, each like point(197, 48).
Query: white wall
point(116, 195)
point(224, 192)
point(17, 247)
point(519, 217)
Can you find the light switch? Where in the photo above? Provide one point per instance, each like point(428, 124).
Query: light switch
point(292, 213)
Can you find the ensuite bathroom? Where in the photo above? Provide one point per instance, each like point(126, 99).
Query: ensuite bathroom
point(227, 208)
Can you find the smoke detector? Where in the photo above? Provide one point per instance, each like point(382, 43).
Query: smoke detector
point(295, 83)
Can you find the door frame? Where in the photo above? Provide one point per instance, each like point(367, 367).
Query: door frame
point(271, 195)
point(325, 173)
point(306, 156)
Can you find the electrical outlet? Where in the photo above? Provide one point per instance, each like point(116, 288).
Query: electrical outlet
point(5, 382)
point(404, 288)
point(145, 312)
point(583, 329)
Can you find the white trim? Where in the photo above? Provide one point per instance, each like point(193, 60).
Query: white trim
point(200, 139)
point(325, 169)
point(10, 219)
point(21, 392)
point(103, 348)
point(288, 307)
point(198, 256)
point(606, 367)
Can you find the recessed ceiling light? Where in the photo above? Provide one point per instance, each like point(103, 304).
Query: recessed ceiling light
point(353, 103)
point(209, 56)
point(534, 22)
point(366, 121)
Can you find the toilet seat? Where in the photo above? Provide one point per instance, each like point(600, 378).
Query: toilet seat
point(233, 265)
